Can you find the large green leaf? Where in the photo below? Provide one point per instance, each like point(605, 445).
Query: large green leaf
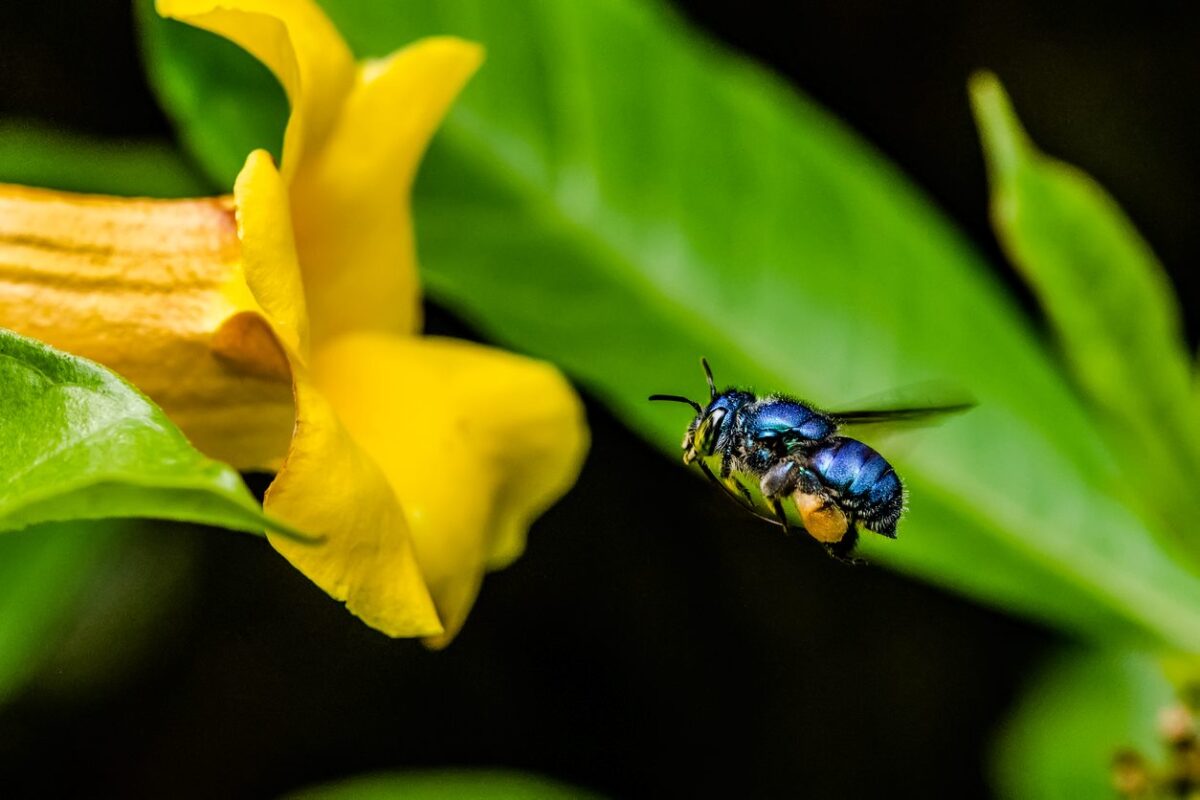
point(1082, 708)
point(1110, 304)
point(618, 195)
point(80, 443)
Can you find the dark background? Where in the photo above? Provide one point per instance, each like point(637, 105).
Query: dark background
point(653, 641)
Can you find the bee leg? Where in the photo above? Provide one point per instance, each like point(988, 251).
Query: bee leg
point(777, 483)
point(781, 515)
point(742, 491)
point(739, 490)
point(808, 483)
point(708, 474)
point(780, 479)
point(726, 464)
point(842, 549)
point(742, 496)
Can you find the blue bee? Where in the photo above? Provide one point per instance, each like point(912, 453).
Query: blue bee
point(766, 450)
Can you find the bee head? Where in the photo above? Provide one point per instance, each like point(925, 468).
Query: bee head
point(712, 426)
point(705, 433)
point(708, 428)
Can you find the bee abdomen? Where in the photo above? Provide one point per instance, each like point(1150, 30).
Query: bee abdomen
point(867, 487)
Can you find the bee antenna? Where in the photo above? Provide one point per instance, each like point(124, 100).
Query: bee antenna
point(712, 387)
point(674, 398)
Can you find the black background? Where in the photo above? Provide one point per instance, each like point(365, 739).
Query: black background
point(653, 641)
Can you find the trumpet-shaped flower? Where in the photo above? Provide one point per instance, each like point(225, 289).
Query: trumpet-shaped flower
point(293, 308)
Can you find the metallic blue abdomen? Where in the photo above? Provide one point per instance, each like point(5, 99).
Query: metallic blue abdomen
point(864, 482)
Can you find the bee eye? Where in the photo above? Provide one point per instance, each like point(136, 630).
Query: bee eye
point(706, 435)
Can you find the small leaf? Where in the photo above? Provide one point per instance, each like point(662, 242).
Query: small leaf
point(1108, 299)
point(80, 443)
point(445, 785)
point(1081, 709)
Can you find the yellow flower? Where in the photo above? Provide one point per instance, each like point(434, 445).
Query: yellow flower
point(421, 461)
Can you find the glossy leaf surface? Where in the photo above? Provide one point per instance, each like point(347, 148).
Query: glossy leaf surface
point(80, 443)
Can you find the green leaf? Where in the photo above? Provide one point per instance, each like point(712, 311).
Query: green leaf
point(34, 155)
point(1108, 299)
point(618, 195)
point(80, 443)
point(445, 785)
point(42, 570)
point(1079, 712)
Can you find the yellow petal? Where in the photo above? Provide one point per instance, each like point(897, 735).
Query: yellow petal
point(154, 290)
point(330, 487)
point(269, 249)
point(350, 201)
point(298, 43)
point(476, 442)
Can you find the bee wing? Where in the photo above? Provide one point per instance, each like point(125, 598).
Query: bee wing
point(912, 407)
point(922, 415)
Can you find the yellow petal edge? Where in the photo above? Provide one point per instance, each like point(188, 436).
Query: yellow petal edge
point(297, 42)
point(477, 441)
point(327, 485)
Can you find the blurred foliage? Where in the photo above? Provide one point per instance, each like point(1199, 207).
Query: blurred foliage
point(129, 607)
point(35, 155)
point(1076, 715)
point(611, 187)
point(445, 785)
point(42, 571)
point(83, 601)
